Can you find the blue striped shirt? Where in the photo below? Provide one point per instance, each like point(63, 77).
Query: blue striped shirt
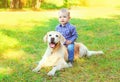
point(68, 31)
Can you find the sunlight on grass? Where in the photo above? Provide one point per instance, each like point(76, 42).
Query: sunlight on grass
point(14, 64)
point(5, 71)
point(80, 60)
point(12, 54)
point(14, 18)
point(25, 21)
point(7, 42)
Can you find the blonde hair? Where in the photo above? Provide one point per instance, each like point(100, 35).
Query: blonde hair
point(64, 10)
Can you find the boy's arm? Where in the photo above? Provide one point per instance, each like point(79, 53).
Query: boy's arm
point(74, 35)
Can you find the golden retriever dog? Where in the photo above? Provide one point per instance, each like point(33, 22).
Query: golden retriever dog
point(56, 54)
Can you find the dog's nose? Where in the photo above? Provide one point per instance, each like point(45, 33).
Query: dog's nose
point(52, 39)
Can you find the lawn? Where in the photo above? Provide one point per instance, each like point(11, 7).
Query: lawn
point(22, 46)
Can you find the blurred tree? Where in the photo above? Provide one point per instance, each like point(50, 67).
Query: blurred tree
point(53, 4)
point(36, 3)
point(4, 3)
point(66, 3)
point(16, 4)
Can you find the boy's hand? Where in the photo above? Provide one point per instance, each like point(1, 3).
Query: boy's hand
point(68, 42)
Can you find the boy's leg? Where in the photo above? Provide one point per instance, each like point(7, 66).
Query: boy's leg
point(70, 48)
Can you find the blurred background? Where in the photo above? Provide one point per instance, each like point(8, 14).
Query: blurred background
point(56, 4)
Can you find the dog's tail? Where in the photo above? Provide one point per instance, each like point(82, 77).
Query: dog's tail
point(90, 53)
point(85, 52)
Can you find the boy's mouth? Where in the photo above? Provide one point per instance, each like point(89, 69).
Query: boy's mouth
point(62, 21)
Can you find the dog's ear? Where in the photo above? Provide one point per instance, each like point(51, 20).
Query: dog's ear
point(62, 39)
point(45, 37)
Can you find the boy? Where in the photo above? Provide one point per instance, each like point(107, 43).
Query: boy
point(68, 31)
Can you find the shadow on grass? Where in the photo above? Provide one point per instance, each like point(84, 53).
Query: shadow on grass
point(100, 33)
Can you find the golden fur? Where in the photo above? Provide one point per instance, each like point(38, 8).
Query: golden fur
point(56, 53)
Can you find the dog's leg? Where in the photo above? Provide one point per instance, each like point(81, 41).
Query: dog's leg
point(52, 72)
point(61, 64)
point(39, 66)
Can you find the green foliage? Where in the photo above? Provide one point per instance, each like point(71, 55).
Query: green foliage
point(49, 6)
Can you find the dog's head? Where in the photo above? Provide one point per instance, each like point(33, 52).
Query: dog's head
point(53, 38)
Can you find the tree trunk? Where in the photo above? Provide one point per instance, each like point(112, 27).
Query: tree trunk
point(33, 3)
point(20, 4)
point(13, 4)
point(16, 4)
point(38, 3)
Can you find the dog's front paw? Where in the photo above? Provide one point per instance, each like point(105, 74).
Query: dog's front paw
point(51, 73)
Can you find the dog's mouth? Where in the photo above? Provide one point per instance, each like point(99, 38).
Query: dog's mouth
point(52, 44)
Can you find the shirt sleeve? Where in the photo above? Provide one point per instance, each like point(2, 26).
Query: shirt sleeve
point(74, 34)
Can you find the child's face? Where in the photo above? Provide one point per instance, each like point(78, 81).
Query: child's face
point(63, 18)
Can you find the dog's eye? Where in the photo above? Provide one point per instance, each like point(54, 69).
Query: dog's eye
point(50, 35)
point(56, 35)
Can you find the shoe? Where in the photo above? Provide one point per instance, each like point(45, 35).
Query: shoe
point(70, 64)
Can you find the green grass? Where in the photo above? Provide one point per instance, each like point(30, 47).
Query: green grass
point(21, 45)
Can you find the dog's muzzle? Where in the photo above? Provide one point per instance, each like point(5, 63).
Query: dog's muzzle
point(52, 43)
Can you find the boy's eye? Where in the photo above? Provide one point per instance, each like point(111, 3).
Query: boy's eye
point(60, 17)
point(64, 16)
